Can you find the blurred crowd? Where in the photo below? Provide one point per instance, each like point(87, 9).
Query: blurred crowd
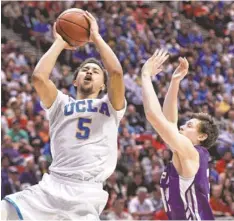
point(133, 30)
point(218, 15)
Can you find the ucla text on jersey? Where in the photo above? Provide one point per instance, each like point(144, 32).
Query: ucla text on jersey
point(85, 106)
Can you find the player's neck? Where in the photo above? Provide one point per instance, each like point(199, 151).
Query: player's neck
point(81, 96)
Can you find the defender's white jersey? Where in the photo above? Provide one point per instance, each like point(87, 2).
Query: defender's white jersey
point(83, 138)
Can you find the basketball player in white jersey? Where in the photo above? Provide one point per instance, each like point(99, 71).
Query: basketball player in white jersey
point(83, 134)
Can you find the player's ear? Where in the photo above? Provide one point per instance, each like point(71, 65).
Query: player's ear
point(74, 83)
point(202, 137)
point(103, 87)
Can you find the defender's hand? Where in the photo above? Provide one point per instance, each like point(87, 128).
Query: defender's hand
point(181, 70)
point(94, 30)
point(153, 65)
point(58, 37)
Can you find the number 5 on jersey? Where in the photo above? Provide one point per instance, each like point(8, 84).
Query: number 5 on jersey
point(83, 129)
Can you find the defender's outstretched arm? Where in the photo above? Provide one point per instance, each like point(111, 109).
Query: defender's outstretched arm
point(169, 133)
point(170, 105)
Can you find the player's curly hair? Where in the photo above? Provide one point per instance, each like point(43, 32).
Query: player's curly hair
point(95, 61)
point(207, 126)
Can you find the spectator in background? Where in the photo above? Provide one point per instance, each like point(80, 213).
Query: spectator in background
point(224, 105)
point(5, 163)
point(214, 175)
point(134, 119)
point(156, 176)
point(12, 11)
point(126, 139)
point(135, 183)
point(114, 188)
point(16, 133)
point(118, 212)
point(12, 107)
point(221, 164)
point(9, 150)
point(141, 207)
point(31, 173)
point(44, 132)
point(166, 156)
point(183, 37)
point(125, 124)
point(20, 117)
point(217, 78)
point(157, 199)
point(41, 28)
point(219, 208)
point(43, 165)
point(12, 184)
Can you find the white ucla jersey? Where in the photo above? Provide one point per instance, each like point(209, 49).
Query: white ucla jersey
point(83, 138)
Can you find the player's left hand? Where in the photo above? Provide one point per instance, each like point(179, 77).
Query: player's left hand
point(94, 30)
point(153, 65)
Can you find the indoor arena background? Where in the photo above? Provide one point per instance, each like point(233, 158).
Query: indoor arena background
point(201, 31)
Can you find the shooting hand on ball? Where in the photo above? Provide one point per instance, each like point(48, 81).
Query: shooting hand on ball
point(57, 36)
point(94, 30)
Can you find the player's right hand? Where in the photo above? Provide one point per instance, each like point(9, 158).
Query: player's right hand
point(153, 65)
point(181, 70)
point(57, 36)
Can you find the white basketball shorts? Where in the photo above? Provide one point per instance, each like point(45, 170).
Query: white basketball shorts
point(56, 199)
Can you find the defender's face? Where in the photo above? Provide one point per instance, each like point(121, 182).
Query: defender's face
point(190, 130)
point(90, 79)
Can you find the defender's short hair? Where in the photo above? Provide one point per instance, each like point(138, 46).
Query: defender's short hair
point(207, 126)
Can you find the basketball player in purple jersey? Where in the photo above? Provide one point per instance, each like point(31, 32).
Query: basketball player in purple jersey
point(184, 183)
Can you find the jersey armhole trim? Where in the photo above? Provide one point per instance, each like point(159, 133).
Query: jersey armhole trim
point(15, 206)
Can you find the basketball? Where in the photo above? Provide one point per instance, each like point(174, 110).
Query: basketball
point(73, 27)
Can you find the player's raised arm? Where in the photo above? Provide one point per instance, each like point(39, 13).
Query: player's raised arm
point(40, 78)
point(169, 133)
point(170, 105)
point(116, 87)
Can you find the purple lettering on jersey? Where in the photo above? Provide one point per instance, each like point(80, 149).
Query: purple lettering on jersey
point(187, 199)
point(90, 106)
point(80, 106)
point(104, 109)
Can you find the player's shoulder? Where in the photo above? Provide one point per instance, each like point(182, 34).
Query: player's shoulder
point(104, 98)
point(63, 96)
point(201, 149)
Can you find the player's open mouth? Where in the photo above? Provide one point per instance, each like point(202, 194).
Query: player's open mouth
point(88, 78)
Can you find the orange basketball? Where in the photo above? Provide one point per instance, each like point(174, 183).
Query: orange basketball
point(73, 27)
